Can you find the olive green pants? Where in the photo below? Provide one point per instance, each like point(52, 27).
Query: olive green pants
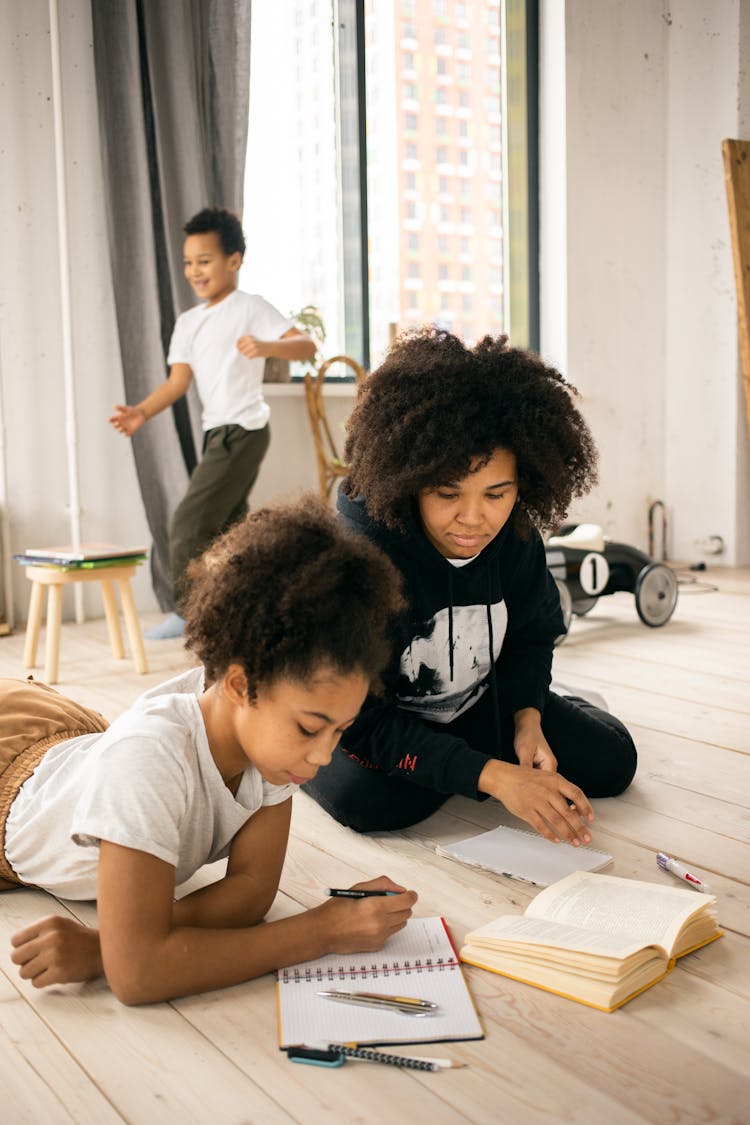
point(216, 496)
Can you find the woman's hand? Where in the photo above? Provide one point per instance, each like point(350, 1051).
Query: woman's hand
point(530, 745)
point(363, 925)
point(57, 950)
point(553, 806)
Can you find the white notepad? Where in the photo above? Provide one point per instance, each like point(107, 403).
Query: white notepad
point(419, 961)
point(524, 855)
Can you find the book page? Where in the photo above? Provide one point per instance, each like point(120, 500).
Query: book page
point(645, 912)
point(541, 931)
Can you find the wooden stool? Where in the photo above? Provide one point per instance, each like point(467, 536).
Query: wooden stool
point(41, 576)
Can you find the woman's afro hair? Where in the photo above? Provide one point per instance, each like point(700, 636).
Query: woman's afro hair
point(435, 406)
point(288, 591)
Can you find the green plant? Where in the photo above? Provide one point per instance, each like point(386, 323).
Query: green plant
point(308, 319)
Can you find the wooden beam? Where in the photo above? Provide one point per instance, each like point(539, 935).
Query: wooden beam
point(737, 175)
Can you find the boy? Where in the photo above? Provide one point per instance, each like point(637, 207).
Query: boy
point(223, 343)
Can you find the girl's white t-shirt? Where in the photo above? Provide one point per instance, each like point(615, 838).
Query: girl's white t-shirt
point(230, 386)
point(149, 782)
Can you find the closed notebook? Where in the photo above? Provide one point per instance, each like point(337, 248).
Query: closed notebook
point(524, 855)
point(597, 939)
point(85, 552)
point(419, 961)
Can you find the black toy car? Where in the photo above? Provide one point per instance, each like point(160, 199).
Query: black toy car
point(587, 566)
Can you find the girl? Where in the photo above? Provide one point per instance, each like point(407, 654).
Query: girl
point(456, 458)
point(289, 614)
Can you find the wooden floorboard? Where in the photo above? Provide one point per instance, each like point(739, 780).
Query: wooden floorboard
point(677, 1053)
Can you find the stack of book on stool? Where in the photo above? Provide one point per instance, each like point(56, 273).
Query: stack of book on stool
point(89, 556)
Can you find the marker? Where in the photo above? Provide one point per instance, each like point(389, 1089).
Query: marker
point(338, 892)
point(407, 1005)
point(676, 868)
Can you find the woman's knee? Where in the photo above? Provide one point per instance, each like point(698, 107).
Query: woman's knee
point(619, 755)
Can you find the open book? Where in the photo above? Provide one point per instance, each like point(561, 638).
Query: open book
point(419, 961)
point(594, 938)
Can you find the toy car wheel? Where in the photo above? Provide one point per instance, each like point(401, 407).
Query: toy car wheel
point(656, 594)
point(566, 606)
point(582, 606)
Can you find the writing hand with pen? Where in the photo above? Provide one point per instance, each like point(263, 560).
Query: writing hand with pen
point(363, 924)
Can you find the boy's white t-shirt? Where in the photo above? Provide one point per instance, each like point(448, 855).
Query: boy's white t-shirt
point(149, 782)
point(230, 386)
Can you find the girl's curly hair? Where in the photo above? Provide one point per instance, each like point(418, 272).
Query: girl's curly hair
point(434, 406)
point(287, 591)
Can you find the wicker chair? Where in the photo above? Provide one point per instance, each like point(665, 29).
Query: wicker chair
point(330, 465)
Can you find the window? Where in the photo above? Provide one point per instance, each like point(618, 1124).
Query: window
point(356, 185)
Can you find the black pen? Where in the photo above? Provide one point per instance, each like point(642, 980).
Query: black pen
point(337, 892)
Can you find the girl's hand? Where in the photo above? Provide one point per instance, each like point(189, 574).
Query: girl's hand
point(553, 806)
point(363, 925)
point(57, 950)
point(532, 748)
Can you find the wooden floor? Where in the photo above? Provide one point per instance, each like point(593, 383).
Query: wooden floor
point(678, 1053)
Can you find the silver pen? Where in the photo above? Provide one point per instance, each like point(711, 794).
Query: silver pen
point(408, 1005)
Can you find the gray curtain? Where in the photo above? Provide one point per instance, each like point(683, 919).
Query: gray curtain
point(172, 79)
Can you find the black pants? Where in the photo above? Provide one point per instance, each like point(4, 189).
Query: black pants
point(593, 750)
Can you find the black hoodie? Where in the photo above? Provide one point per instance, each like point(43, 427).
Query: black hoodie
point(503, 602)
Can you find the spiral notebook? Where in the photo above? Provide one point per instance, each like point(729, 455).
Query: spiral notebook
point(524, 855)
point(419, 961)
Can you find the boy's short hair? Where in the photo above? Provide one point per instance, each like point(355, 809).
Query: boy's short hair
point(287, 592)
point(225, 223)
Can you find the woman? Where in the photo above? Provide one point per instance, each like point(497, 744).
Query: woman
point(458, 458)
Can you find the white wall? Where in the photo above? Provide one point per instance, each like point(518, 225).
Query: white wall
point(30, 318)
point(30, 315)
point(639, 306)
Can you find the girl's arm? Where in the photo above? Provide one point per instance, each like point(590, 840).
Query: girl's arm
point(245, 894)
point(147, 958)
